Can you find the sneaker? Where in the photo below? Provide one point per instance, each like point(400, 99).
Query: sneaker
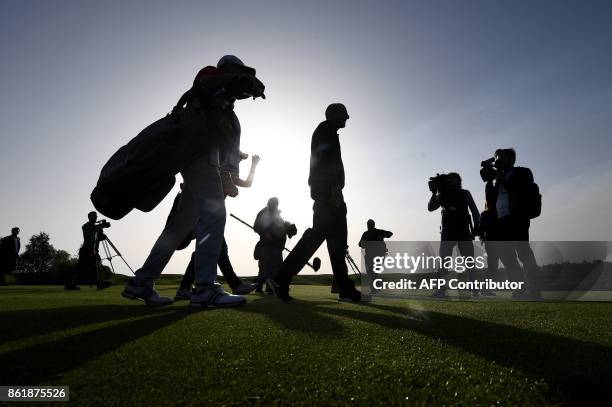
point(215, 298)
point(182, 294)
point(281, 292)
point(71, 287)
point(148, 295)
point(244, 288)
point(354, 296)
point(104, 285)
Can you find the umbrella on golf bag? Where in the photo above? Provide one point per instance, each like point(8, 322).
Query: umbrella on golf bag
point(141, 173)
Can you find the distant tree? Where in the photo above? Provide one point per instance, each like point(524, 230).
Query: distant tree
point(39, 254)
point(61, 256)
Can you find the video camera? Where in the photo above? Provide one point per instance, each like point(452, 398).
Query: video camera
point(438, 183)
point(245, 84)
point(102, 224)
point(488, 172)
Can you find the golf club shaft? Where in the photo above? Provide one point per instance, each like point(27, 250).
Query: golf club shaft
point(284, 248)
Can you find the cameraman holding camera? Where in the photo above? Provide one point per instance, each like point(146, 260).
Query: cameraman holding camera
point(514, 198)
point(88, 253)
point(457, 229)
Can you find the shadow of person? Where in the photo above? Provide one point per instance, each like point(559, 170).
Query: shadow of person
point(43, 362)
point(32, 322)
point(580, 371)
point(303, 316)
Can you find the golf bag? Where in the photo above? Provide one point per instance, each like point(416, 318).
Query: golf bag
point(141, 173)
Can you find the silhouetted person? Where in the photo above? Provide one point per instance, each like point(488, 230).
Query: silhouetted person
point(9, 252)
point(488, 235)
point(372, 241)
point(225, 265)
point(457, 228)
point(513, 195)
point(89, 259)
point(273, 232)
point(202, 207)
point(326, 182)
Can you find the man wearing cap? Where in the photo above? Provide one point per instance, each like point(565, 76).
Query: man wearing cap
point(214, 91)
point(326, 181)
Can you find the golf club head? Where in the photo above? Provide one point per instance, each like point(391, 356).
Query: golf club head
point(316, 264)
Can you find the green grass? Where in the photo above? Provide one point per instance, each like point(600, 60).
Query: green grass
point(315, 351)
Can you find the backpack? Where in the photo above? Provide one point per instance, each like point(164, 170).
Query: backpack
point(533, 200)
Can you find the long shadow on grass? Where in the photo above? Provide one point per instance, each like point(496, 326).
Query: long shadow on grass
point(22, 324)
point(580, 371)
point(301, 316)
point(45, 362)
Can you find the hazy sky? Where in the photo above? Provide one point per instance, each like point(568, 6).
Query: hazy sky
point(431, 86)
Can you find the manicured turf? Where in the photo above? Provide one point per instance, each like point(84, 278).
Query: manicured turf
point(314, 351)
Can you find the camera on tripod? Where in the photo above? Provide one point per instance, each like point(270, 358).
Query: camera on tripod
point(102, 224)
point(488, 172)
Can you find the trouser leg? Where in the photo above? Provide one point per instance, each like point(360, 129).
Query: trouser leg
point(330, 221)
point(98, 269)
point(530, 266)
point(76, 271)
point(260, 272)
point(271, 262)
point(466, 249)
point(446, 250)
point(203, 182)
point(295, 261)
point(336, 247)
point(509, 247)
point(83, 264)
point(369, 269)
point(188, 277)
point(177, 227)
point(492, 250)
point(225, 265)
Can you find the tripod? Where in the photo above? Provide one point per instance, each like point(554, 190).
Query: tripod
point(352, 263)
point(107, 245)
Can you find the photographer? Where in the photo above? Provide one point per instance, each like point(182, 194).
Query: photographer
point(373, 243)
point(89, 259)
point(457, 229)
point(514, 196)
point(273, 232)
